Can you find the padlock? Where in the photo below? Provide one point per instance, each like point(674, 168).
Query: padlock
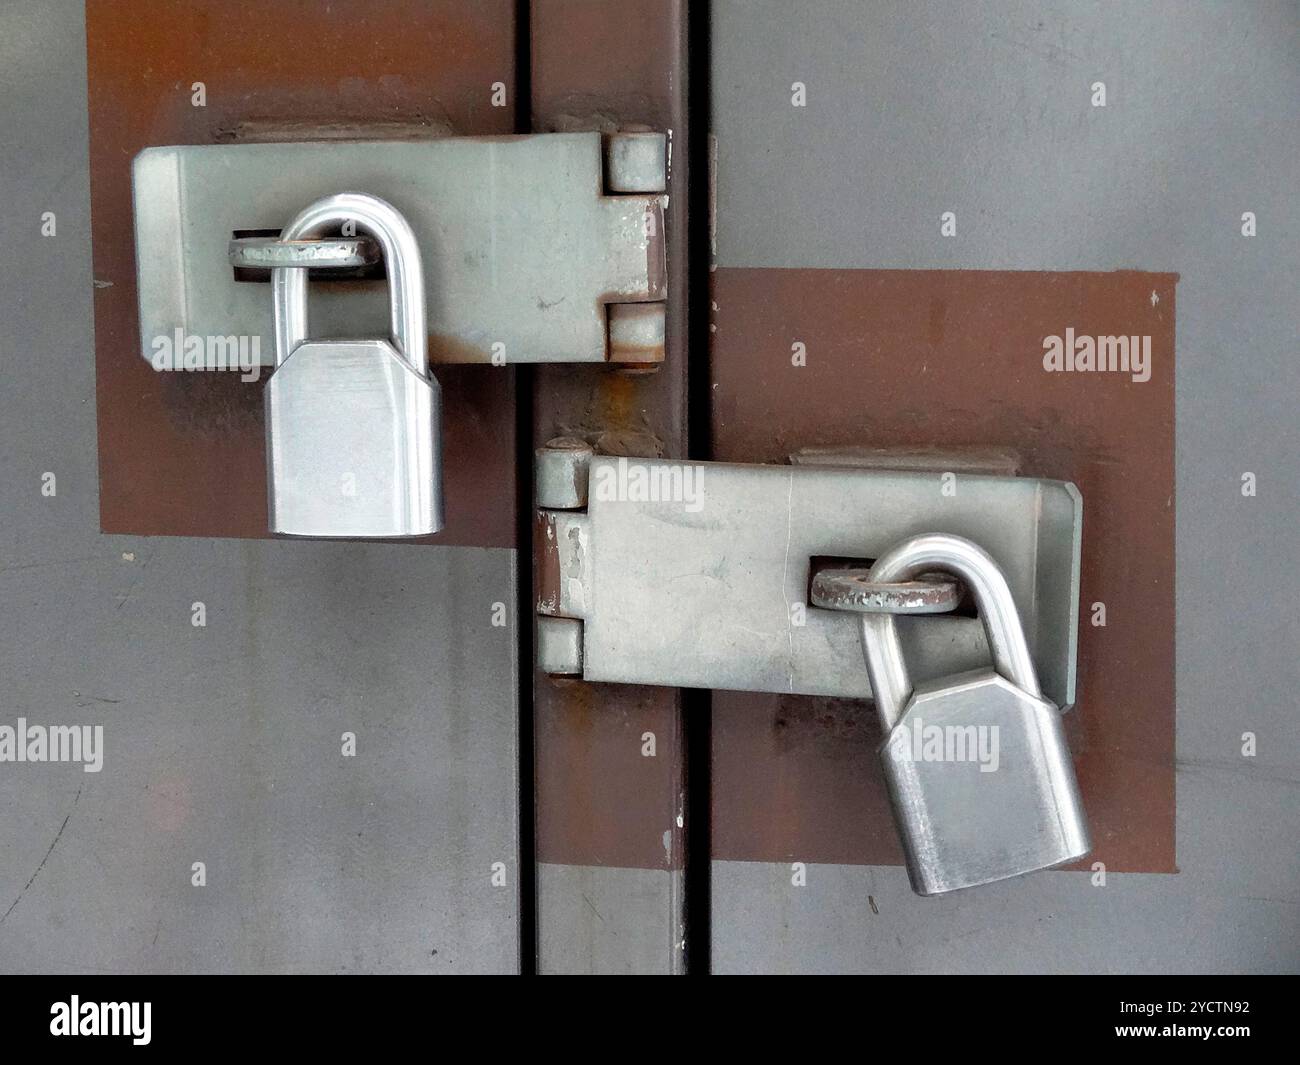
point(977, 765)
point(354, 427)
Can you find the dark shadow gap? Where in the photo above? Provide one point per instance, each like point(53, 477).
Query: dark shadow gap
point(697, 703)
point(523, 384)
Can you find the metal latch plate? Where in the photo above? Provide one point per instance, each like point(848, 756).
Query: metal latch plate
point(523, 248)
point(711, 591)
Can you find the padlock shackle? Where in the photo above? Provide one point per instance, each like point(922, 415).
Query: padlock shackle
point(401, 259)
point(891, 684)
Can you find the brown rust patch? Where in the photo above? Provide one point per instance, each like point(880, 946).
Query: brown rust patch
point(953, 359)
point(454, 350)
point(332, 128)
point(183, 454)
point(547, 570)
point(599, 800)
point(635, 333)
point(636, 354)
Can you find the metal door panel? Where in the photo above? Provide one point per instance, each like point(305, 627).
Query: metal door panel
point(828, 232)
point(223, 744)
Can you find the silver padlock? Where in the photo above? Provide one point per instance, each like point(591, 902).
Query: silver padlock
point(977, 764)
point(354, 427)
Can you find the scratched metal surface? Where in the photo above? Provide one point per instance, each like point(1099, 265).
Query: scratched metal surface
point(222, 744)
point(983, 109)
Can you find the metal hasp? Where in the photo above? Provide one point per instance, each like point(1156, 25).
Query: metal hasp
point(354, 427)
point(978, 769)
point(533, 245)
point(697, 575)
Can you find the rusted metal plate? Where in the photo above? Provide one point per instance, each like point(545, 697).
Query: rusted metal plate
point(955, 359)
point(602, 804)
point(183, 453)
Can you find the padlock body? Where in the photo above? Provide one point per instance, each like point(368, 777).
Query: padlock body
point(353, 443)
point(982, 784)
